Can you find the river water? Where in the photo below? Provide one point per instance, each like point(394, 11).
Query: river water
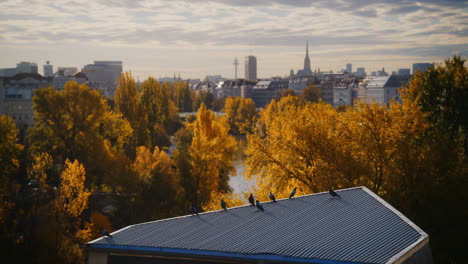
point(238, 182)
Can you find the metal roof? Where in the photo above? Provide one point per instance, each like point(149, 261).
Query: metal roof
point(359, 227)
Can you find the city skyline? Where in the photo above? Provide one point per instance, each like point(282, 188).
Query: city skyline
point(198, 38)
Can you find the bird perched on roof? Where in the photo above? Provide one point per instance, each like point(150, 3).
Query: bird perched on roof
point(223, 205)
point(272, 197)
point(333, 193)
point(105, 233)
point(293, 192)
point(251, 200)
point(259, 206)
point(193, 210)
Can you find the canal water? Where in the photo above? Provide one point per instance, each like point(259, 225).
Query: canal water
point(238, 182)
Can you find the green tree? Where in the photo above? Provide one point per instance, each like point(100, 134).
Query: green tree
point(442, 91)
point(433, 181)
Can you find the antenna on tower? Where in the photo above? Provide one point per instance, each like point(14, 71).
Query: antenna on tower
point(236, 62)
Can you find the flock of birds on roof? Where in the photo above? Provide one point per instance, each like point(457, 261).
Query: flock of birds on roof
point(256, 203)
point(252, 201)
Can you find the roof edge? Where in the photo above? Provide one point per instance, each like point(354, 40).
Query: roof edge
point(115, 232)
point(394, 210)
point(408, 251)
point(217, 254)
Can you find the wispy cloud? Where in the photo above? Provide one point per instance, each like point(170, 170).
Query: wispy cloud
point(353, 29)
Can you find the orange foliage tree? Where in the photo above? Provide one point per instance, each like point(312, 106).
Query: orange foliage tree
point(71, 201)
point(210, 157)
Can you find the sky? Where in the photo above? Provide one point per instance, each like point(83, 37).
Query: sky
point(195, 38)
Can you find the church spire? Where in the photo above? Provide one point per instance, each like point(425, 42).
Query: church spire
point(307, 70)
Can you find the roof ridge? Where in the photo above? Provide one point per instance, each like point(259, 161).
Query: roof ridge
point(240, 206)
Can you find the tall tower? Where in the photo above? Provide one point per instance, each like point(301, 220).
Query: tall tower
point(48, 70)
point(307, 70)
point(236, 62)
point(251, 68)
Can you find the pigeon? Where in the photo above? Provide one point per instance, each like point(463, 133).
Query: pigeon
point(223, 205)
point(333, 193)
point(272, 197)
point(251, 200)
point(193, 210)
point(259, 206)
point(105, 233)
point(293, 192)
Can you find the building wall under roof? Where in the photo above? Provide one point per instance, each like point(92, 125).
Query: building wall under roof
point(423, 255)
point(120, 259)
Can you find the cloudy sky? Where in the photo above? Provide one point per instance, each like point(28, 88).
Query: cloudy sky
point(197, 37)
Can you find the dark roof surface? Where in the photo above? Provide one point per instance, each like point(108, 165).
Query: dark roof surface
point(20, 76)
point(360, 227)
point(397, 80)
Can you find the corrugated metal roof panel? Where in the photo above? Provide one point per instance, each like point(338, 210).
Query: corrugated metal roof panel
point(359, 227)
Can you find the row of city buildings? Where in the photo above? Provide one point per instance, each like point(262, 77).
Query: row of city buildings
point(340, 88)
point(17, 85)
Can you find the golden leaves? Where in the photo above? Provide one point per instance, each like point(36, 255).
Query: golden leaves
point(211, 153)
point(317, 147)
point(73, 198)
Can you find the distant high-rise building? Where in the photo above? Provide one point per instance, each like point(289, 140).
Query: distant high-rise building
point(236, 62)
point(48, 70)
point(420, 66)
point(26, 67)
point(361, 72)
point(404, 72)
point(7, 72)
point(349, 68)
point(103, 75)
point(251, 68)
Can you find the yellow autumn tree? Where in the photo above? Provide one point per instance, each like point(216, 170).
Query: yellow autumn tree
point(315, 147)
point(158, 185)
point(98, 221)
point(10, 152)
point(297, 147)
point(376, 136)
point(72, 200)
point(211, 157)
point(161, 111)
point(240, 114)
point(128, 103)
point(77, 123)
